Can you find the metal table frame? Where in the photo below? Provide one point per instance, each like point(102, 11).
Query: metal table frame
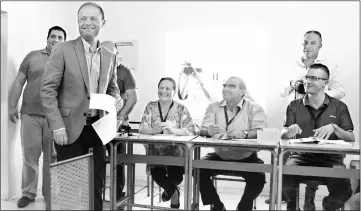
point(130, 159)
point(253, 167)
point(312, 170)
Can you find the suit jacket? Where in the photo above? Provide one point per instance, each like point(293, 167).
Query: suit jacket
point(65, 91)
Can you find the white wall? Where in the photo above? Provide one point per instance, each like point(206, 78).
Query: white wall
point(28, 25)
point(148, 23)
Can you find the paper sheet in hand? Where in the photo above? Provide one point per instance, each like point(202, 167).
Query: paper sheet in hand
point(106, 127)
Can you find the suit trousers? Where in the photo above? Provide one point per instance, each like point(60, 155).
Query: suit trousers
point(88, 139)
point(35, 137)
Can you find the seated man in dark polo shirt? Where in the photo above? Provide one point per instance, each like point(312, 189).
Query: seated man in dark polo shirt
point(317, 115)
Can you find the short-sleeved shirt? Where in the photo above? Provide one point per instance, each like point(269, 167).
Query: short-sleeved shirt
point(334, 87)
point(251, 116)
point(33, 67)
point(125, 79)
point(308, 118)
point(180, 118)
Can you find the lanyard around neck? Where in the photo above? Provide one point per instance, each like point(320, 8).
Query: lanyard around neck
point(230, 121)
point(160, 112)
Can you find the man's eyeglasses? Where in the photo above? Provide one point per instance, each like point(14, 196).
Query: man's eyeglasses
point(231, 86)
point(314, 78)
point(313, 44)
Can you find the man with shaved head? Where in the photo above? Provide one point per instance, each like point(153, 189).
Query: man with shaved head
point(235, 117)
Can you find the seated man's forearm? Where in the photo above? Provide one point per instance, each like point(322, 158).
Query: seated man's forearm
point(130, 101)
point(252, 134)
point(204, 132)
point(284, 134)
point(344, 135)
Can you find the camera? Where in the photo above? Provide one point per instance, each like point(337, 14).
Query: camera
point(300, 88)
point(189, 70)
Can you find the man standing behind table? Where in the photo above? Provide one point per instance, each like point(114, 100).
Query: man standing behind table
point(75, 70)
point(129, 94)
point(294, 89)
point(317, 115)
point(35, 133)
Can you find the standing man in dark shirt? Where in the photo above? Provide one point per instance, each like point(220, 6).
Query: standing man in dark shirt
point(317, 115)
point(129, 93)
point(35, 133)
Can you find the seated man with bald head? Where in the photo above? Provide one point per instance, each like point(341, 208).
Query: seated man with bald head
point(234, 117)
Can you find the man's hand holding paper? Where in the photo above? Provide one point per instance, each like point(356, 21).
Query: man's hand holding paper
point(106, 127)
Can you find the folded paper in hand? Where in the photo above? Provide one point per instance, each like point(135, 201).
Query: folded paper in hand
point(313, 140)
point(106, 127)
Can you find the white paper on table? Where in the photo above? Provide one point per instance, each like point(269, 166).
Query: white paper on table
point(105, 127)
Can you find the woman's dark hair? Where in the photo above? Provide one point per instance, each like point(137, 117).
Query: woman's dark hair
point(168, 79)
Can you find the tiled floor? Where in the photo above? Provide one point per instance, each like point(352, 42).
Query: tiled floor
point(230, 198)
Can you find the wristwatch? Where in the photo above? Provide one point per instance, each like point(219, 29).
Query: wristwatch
point(245, 133)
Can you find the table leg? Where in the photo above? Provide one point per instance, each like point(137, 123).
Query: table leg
point(273, 180)
point(129, 176)
point(279, 182)
point(132, 173)
point(186, 180)
point(111, 169)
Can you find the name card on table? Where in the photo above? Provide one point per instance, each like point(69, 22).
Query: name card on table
point(269, 134)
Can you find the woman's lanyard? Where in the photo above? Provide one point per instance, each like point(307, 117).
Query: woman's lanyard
point(160, 112)
point(230, 121)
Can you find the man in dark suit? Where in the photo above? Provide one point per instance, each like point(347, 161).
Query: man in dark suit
point(74, 70)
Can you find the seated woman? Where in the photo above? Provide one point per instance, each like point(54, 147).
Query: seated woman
point(166, 116)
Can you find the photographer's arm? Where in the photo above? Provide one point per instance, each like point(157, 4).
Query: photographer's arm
point(183, 92)
point(206, 93)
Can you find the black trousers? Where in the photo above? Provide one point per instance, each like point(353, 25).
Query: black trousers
point(254, 182)
point(167, 177)
point(88, 139)
point(339, 188)
point(120, 171)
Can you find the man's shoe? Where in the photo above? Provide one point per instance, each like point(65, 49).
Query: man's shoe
point(309, 204)
point(218, 207)
point(24, 201)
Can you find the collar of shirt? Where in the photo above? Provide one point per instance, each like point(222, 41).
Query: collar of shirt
point(301, 64)
point(88, 48)
point(240, 104)
point(306, 101)
point(44, 51)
